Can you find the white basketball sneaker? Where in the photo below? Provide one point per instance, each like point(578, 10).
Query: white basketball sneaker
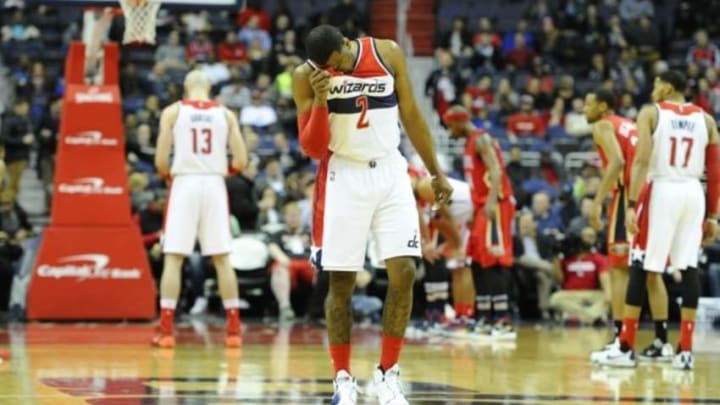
point(657, 351)
point(618, 358)
point(597, 355)
point(684, 360)
point(387, 387)
point(345, 389)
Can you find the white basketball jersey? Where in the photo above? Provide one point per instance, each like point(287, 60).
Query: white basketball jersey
point(363, 108)
point(679, 142)
point(200, 139)
point(461, 205)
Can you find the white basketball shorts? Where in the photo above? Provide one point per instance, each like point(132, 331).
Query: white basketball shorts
point(355, 200)
point(197, 210)
point(670, 218)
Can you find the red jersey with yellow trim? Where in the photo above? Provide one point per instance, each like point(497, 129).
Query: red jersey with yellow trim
point(476, 172)
point(363, 107)
point(626, 135)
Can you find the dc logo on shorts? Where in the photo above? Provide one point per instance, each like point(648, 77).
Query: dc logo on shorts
point(414, 243)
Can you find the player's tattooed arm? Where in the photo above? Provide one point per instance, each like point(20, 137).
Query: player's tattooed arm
point(604, 137)
point(236, 142)
point(413, 120)
point(486, 151)
point(165, 139)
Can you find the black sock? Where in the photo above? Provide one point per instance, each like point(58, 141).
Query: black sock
point(661, 331)
point(617, 328)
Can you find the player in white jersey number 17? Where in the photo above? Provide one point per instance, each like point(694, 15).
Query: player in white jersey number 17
point(677, 143)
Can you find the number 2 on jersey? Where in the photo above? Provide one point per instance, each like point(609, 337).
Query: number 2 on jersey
point(688, 142)
point(362, 101)
point(205, 146)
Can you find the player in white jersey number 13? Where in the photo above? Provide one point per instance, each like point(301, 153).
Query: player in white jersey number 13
point(677, 143)
point(199, 131)
point(350, 96)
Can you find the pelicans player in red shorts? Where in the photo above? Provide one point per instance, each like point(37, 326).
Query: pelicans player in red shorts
point(490, 244)
point(677, 144)
point(350, 95)
point(199, 131)
point(615, 138)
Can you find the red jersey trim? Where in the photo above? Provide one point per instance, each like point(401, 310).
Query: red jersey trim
point(200, 104)
point(379, 58)
point(679, 109)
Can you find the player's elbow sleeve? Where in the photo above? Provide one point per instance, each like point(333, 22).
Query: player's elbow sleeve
point(314, 130)
point(712, 165)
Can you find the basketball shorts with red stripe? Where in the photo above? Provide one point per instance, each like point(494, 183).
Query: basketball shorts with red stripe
point(490, 241)
point(355, 200)
point(670, 217)
point(618, 247)
point(197, 210)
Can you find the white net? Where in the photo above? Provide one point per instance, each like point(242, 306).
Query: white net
point(140, 17)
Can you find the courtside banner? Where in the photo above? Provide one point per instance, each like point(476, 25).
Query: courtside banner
point(91, 273)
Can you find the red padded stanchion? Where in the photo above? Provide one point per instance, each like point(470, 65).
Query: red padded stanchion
point(92, 262)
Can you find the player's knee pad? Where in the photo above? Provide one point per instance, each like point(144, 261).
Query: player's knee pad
point(636, 290)
point(691, 288)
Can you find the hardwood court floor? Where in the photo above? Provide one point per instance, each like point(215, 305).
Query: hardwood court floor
point(113, 364)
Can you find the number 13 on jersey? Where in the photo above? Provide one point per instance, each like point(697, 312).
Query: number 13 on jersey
point(202, 141)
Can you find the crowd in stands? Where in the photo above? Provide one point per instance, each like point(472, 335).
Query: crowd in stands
point(524, 85)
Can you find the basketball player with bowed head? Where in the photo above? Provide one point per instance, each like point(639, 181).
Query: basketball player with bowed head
point(615, 138)
point(490, 245)
point(451, 222)
point(350, 95)
point(199, 131)
point(677, 142)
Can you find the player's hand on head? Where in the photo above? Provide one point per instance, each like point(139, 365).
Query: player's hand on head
point(320, 82)
point(442, 189)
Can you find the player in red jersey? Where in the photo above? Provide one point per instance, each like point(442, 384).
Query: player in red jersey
point(490, 244)
point(615, 138)
point(677, 144)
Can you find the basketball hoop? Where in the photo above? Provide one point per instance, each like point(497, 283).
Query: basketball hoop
point(140, 17)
